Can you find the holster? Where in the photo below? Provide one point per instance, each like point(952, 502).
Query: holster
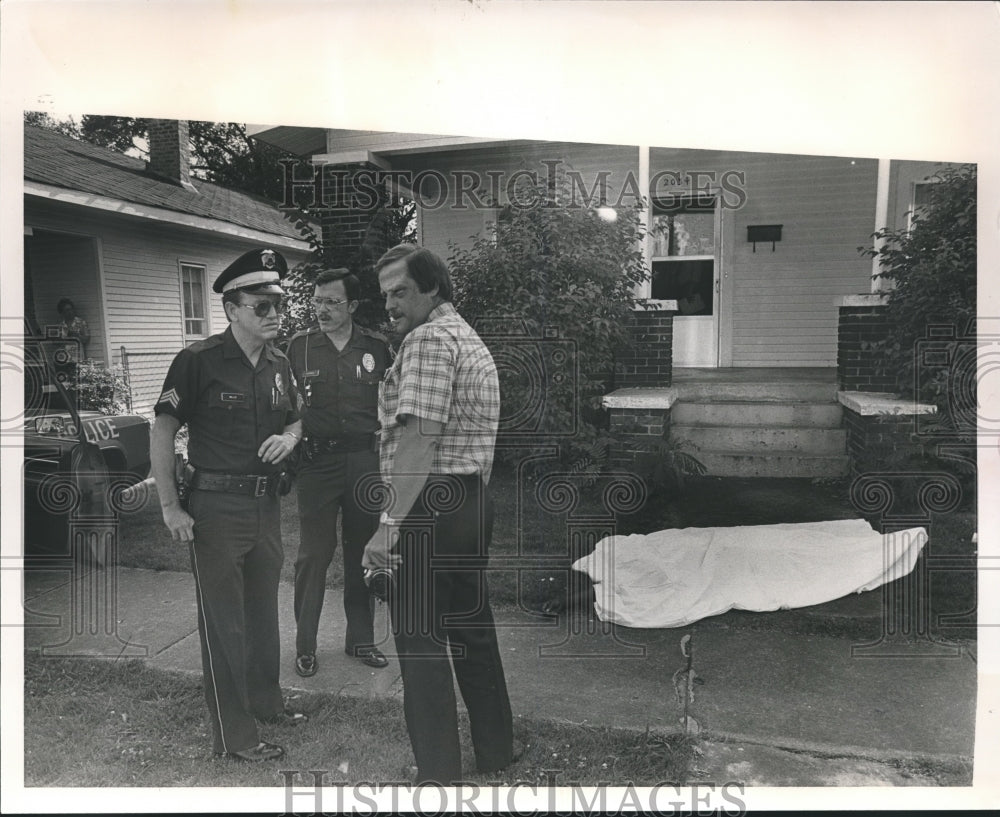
point(183, 476)
point(285, 482)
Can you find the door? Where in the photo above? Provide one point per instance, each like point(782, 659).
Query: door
point(684, 253)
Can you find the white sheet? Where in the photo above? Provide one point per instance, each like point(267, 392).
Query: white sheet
point(671, 578)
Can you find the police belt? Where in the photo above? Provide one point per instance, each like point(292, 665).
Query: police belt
point(255, 485)
point(314, 446)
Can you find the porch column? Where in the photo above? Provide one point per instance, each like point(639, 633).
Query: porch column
point(881, 219)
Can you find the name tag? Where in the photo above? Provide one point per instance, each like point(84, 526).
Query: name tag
point(233, 397)
point(313, 373)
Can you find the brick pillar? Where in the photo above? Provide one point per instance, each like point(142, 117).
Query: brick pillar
point(170, 151)
point(649, 359)
point(354, 225)
point(638, 431)
point(857, 365)
point(355, 229)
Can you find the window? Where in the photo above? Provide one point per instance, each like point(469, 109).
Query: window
point(682, 252)
point(920, 199)
point(193, 300)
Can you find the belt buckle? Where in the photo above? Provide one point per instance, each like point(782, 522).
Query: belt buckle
point(260, 487)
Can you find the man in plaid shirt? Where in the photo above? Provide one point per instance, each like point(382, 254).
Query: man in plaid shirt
point(439, 407)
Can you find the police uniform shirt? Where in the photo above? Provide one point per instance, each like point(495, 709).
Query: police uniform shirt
point(229, 407)
point(338, 390)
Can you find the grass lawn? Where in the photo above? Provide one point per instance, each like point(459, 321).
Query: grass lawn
point(146, 727)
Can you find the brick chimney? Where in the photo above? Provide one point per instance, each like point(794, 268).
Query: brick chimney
point(169, 151)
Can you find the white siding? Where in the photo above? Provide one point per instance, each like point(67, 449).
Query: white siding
point(141, 283)
point(781, 303)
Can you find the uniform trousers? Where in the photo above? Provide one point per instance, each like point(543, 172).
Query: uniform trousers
point(440, 607)
point(327, 483)
point(236, 558)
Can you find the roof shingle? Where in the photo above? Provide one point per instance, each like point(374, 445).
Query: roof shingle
point(61, 161)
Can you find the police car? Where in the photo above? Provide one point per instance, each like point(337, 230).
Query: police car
point(77, 463)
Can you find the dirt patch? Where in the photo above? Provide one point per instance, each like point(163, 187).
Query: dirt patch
point(755, 765)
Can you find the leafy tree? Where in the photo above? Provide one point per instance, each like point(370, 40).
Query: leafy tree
point(551, 293)
point(932, 304)
point(67, 127)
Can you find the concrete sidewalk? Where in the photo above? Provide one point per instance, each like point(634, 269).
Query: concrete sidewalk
point(776, 708)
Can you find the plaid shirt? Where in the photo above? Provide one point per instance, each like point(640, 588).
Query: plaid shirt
point(444, 373)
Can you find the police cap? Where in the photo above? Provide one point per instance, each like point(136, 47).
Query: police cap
point(258, 271)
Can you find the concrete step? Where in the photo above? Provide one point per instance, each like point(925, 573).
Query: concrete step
point(762, 439)
point(808, 391)
point(757, 413)
point(774, 464)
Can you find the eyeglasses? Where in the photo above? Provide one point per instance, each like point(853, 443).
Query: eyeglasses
point(263, 308)
point(329, 303)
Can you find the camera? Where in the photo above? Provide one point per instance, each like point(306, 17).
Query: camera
point(381, 582)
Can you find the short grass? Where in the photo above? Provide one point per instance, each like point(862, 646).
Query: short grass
point(115, 724)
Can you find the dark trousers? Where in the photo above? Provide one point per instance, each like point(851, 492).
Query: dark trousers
point(236, 559)
point(441, 607)
point(326, 484)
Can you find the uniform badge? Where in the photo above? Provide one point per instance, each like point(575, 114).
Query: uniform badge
point(279, 384)
point(368, 361)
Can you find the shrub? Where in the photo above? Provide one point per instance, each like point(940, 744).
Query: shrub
point(100, 389)
point(551, 293)
point(931, 308)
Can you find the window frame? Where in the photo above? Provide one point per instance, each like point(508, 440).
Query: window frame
point(202, 269)
point(913, 198)
point(695, 197)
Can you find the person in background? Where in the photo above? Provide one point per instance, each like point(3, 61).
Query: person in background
point(338, 367)
point(75, 328)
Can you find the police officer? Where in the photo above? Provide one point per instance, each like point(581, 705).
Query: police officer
point(236, 394)
point(338, 367)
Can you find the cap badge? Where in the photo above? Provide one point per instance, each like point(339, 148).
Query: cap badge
point(267, 259)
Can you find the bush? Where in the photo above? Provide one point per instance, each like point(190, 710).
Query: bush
point(100, 389)
point(551, 294)
point(931, 309)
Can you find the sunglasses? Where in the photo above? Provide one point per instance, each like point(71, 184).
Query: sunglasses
point(263, 308)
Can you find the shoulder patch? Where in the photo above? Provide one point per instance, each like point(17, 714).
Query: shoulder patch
point(207, 343)
point(171, 397)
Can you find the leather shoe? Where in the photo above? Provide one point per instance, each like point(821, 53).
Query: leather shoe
point(256, 754)
point(285, 718)
point(371, 656)
point(305, 665)
point(516, 753)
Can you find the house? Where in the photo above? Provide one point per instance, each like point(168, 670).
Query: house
point(758, 303)
point(136, 247)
